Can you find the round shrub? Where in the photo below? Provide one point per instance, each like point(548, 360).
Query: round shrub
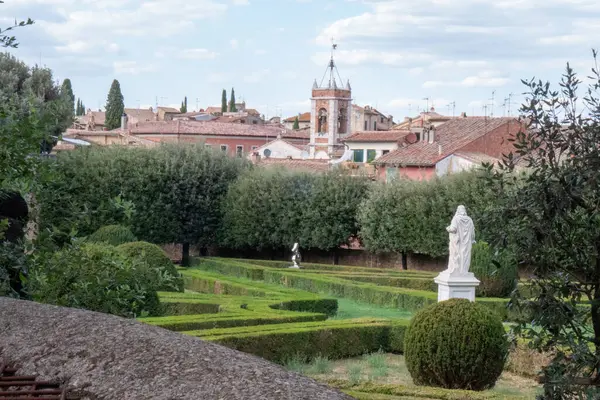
point(496, 280)
point(97, 277)
point(455, 344)
point(113, 235)
point(168, 279)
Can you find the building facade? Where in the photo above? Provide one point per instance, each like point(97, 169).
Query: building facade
point(369, 119)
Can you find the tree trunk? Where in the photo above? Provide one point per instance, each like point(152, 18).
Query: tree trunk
point(596, 326)
point(404, 261)
point(185, 255)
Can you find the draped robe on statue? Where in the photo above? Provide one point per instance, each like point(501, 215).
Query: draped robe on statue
point(462, 237)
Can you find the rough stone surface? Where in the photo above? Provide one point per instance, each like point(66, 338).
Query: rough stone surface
point(105, 357)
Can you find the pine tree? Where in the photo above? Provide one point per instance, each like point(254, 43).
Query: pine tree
point(296, 124)
point(224, 101)
point(183, 108)
point(232, 107)
point(114, 106)
point(67, 91)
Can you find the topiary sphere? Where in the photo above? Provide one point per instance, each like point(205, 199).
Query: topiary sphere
point(456, 344)
point(156, 258)
point(113, 235)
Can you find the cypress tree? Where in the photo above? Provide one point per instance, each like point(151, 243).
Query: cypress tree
point(67, 91)
point(77, 108)
point(232, 107)
point(296, 124)
point(224, 101)
point(114, 106)
point(183, 108)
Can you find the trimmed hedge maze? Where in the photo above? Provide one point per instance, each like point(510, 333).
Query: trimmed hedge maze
point(263, 308)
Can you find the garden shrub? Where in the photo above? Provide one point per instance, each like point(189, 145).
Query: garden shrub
point(96, 277)
point(158, 260)
point(455, 344)
point(496, 280)
point(112, 234)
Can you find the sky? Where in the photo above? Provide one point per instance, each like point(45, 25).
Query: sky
point(400, 56)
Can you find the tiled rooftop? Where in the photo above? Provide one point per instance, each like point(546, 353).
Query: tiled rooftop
point(377, 136)
point(449, 137)
point(304, 117)
point(302, 165)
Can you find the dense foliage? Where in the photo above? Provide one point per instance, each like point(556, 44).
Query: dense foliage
point(113, 235)
point(411, 216)
point(275, 209)
point(32, 111)
point(455, 344)
point(168, 279)
point(96, 277)
point(498, 272)
point(176, 192)
point(555, 227)
point(67, 92)
point(114, 106)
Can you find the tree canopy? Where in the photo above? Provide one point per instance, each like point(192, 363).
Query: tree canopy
point(224, 101)
point(554, 227)
point(67, 91)
point(232, 107)
point(114, 106)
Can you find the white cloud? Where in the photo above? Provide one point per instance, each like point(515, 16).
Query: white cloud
point(365, 56)
point(218, 77)
point(198, 54)
point(481, 79)
point(131, 68)
point(234, 43)
point(257, 76)
point(87, 46)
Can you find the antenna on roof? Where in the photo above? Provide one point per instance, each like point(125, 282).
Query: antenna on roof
point(492, 104)
point(332, 69)
point(453, 105)
point(427, 99)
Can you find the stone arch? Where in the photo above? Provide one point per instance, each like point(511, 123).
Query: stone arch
point(322, 121)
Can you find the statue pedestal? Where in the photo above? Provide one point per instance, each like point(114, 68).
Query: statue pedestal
point(456, 286)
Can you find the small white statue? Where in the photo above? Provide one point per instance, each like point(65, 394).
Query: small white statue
point(462, 237)
point(296, 256)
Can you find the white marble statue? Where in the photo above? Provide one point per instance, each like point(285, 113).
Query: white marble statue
point(296, 256)
point(462, 237)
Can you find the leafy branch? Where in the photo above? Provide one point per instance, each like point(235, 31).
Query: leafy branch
point(7, 40)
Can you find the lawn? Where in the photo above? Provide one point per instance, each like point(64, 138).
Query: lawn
point(380, 371)
point(349, 309)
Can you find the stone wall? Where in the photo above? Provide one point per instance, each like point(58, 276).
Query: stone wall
point(99, 356)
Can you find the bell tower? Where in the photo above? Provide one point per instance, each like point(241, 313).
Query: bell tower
point(331, 104)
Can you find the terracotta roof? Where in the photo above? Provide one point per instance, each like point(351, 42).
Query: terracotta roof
point(213, 128)
point(476, 157)
point(424, 116)
point(304, 117)
point(99, 117)
point(140, 114)
point(371, 110)
point(302, 165)
point(169, 109)
point(378, 136)
point(212, 110)
point(83, 132)
point(450, 136)
point(253, 111)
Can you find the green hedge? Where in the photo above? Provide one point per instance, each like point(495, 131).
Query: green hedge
point(376, 391)
point(226, 320)
point(336, 285)
point(112, 234)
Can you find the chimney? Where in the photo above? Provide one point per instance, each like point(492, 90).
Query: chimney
point(439, 149)
point(463, 114)
point(432, 134)
point(123, 121)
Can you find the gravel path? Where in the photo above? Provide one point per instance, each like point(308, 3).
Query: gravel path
point(105, 357)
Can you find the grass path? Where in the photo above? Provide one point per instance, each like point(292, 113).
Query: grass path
point(349, 309)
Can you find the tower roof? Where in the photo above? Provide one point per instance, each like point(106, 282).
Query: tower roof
point(331, 78)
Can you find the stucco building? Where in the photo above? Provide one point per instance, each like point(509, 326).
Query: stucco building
point(368, 118)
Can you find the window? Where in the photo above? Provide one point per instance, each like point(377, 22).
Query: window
point(366, 126)
point(371, 154)
point(254, 148)
point(374, 125)
point(381, 120)
point(224, 148)
point(384, 152)
point(208, 146)
point(243, 121)
point(391, 173)
point(358, 156)
point(254, 122)
point(239, 151)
